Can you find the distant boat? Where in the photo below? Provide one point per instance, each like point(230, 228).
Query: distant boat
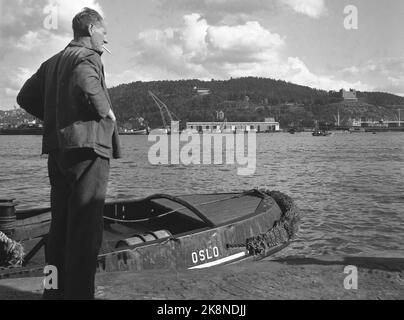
point(135, 132)
point(357, 130)
point(321, 133)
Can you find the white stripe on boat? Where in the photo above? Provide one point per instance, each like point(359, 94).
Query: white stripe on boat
point(220, 261)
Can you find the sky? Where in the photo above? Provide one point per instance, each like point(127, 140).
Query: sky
point(308, 42)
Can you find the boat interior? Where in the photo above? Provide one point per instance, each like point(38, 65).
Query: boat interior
point(174, 215)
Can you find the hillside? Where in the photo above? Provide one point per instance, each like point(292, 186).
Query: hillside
point(381, 98)
point(246, 99)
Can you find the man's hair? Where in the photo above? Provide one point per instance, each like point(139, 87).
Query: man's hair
point(83, 19)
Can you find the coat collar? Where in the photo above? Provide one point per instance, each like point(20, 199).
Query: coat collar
point(75, 43)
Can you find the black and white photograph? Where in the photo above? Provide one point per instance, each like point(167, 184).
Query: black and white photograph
point(223, 152)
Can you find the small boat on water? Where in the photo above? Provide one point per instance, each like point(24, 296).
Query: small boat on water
point(321, 133)
point(140, 132)
point(161, 231)
point(357, 130)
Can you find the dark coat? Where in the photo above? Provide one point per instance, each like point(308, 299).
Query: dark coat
point(69, 94)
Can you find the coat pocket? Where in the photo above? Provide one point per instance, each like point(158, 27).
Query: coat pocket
point(78, 134)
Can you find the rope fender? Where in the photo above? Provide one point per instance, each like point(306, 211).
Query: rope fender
point(11, 252)
point(283, 231)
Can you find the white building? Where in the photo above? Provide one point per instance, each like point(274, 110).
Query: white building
point(202, 91)
point(226, 126)
point(349, 95)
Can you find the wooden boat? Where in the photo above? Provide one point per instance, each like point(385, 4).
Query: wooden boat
point(163, 231)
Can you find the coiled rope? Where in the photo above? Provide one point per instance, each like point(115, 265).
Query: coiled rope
point(283, 231)
point(11, 252)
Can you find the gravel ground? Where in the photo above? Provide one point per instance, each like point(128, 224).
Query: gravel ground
point(286, 278)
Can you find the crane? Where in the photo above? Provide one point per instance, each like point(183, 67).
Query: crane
point(164, 109)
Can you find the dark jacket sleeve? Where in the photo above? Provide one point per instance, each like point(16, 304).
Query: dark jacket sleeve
point(30, 96)
point(87, 76)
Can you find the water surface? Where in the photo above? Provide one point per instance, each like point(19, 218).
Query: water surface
point(350, 187)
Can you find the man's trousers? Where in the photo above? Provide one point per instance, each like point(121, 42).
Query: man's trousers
point(78, 181)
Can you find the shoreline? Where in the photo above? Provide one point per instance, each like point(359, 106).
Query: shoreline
point(289, 278)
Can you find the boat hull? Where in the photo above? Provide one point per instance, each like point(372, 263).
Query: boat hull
point(166, 232)
point(202, 249)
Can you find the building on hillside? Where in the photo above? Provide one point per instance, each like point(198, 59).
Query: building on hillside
point(202, 91)
point(349, 95)
point(355, 122)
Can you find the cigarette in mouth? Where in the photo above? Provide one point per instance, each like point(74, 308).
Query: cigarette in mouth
point(106, 49)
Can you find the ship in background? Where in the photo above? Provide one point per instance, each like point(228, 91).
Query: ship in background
point(134, 126)
point(29, 129)
point(18, 122)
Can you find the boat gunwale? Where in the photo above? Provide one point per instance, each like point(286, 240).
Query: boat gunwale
point(208, 222)
point(42, 210)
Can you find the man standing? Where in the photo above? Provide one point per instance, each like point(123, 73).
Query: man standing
point(69, 94)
